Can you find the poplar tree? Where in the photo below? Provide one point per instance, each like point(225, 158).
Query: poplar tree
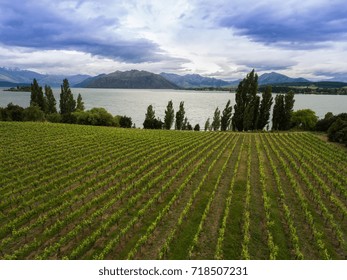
point(180, 116)
point(51, 102)
point(80, 103)
point(216, 120)
point(150, 118)
point(226, 117)
point(36, 97)
point(288, 109)
point(67, 103)
point(169, 116)
point(277, 115)
point(245, 103)
point(265, 107)
point(207, 124)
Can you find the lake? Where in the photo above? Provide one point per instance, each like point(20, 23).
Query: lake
point(198, 105)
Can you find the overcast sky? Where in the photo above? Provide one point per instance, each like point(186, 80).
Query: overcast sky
point(217, 38)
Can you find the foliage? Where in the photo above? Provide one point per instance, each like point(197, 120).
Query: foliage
point(80, 103)
point(125, 122)
point(288, 110)
point(207, 124)
point(169, 115)
point(12, 113)
point(150, 121)
point(67, 103)
point(34, 114)
point(245, 102)
point(95, 116)
point(226, 117)
point(180, 116)
point(216, 120)
point(329, 119)
point(50, 101)
point(305, 119)
point(36, 97)
point(337, 132)
point(54, 118)
point(265, 107)
point(282, 111)
point(197, 127)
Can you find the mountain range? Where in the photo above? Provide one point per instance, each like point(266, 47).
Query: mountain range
point(16, 76)
point(135, 79)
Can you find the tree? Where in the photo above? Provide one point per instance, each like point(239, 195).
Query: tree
point(337, 132)
point(282, 112)
point(305, 119)
point(288, 110)
point(150, 121)
point(51, 103)
point(67, 103)
point(244, 107)
point(185, 124)
point(216, 120)
point(180, 116)
point(329, 119)
point(36, 97)
point(197, 127)
point(265, 107)
point(207, 125)
point(277, 114)
point(12, 113)
point(169, 116)
point(80, 103)
point(226, 117)
point(251, 114)
point(125, 122)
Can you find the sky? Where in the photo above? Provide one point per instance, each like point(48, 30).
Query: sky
point(216, 38)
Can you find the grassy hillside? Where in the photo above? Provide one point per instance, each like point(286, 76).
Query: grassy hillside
point(82, 192)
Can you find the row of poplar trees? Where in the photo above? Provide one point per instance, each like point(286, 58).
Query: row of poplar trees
point(47, 103)
point(252, 112)
point(181, 122)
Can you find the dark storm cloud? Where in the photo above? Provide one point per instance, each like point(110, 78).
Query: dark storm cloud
point(32, 24)
point(281, 22)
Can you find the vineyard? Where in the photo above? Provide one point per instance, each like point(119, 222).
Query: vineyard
point(81, 192)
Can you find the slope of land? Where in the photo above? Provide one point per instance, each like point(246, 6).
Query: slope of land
point(129, 79)
point(83, 192)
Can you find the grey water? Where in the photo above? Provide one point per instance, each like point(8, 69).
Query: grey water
point(199, 105)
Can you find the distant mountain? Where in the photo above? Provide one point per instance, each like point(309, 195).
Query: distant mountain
point(18, 76)
point(194, 80)
point(89, 81)
point(276, 78)
point(129, 79)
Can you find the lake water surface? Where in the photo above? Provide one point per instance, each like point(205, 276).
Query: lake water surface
point(198, 105)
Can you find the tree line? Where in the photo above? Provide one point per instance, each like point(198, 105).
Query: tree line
point(251, 112)
point(43, 107)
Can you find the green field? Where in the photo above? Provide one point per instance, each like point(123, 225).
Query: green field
point(80, 192)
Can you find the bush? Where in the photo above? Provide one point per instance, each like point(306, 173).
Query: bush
point(305, 119)
point(95, 116)
point(338, 131)
point(153, 124)
point(12, 113)
point(34, 114)
point(125, 122)
point(54, 118)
